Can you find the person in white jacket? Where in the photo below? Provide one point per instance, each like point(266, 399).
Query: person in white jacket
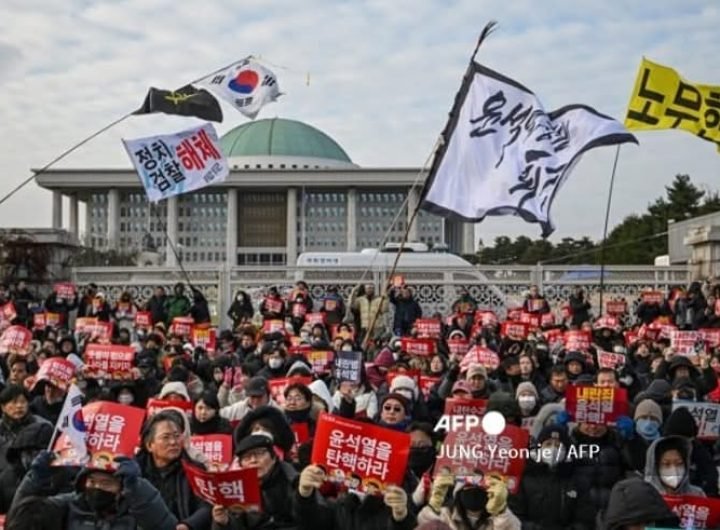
point(257, 391)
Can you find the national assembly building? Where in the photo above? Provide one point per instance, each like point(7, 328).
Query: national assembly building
point(291, 189)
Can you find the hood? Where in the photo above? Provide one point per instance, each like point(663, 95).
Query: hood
point(681, 360)
point(299, 368)
point(680, 423)
point(681, 443)
point(543, 416)
point(174, 387)
point(529, 387)
point(320, 389)
point(634, 501)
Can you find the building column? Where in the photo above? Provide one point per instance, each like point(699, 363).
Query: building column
point(113, 220)
point(171, 220)
point(74, 216)
point(413, 200)
point(352, 219)
point(468, 240)
point(57, 210)
point(231, 235)
point(87, 238)
point(291, 230)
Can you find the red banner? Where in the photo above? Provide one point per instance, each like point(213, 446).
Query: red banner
point(7, 312)
point(547, 320)
point(577, 340)
point(56, 371)
point(320, 360)
point(112, 430)
point(465, 407)
point(182, 326)
point(686, 342)
point(531, 319)
point(315, 318)
point(652, 297)
point(274, 306)
point(66, 291)
point(109, 361)
point(471, 453)
point(16, 339)
point(631, 337)
point(216, 448)
point(155, 405)
point(205, 338)
point(273, 326)
point(426, 384)
point(487, 318)
point(608, 359)
point(143, 320)
point(695, 512)
point(238, 488)
point(593, 404)
point(607, 323)
point(513, 314)
point(710, 336)
point(419, 347)
point(479, 355)
point(553, 337)
point(648, 333)
point(278, 386)
point(458, 346)
point(301, 432)
point(616, 307)
point(85, 324)
point(514, 330)
point(298, 310)
point(428, 328)
point(360, 455)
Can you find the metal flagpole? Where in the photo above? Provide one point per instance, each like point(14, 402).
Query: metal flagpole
point(605, 230)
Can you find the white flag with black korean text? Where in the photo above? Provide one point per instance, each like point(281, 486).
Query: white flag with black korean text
point(504, 155)
point(246, 85)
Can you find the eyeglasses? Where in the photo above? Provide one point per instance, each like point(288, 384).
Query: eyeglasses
point(294, 398)
point(390, 408)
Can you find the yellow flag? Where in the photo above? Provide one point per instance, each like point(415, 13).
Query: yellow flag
point(661, 99)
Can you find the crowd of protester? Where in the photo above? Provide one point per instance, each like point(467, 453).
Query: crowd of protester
point(652, 452)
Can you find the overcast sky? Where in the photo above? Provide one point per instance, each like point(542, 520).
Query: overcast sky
point(383, 74)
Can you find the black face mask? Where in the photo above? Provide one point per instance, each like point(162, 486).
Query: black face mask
point(297, 416)
point(100, 501)
point(421, 459)
point(473, 499)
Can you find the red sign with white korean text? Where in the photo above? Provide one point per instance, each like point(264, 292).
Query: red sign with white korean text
point(362, 456)
point(487, 318)
point(531, 319)
point(547, 320)
point(273, 326)
point(155, 405)
point(514, 314)
point(273, 306)
point(315, 318)
point(465, 407)
point(650, 333)
point(631, 337)
point(695, 512)
point(577, 340)
point(85, 324)
point(479, 355)
point(237, 488)
point(419, 347)
point(428, 328)
point(652, 297)
point(607, 323)
point(553, 336)
point(594, 404)
point(182, 326)
point(102, 331)
point(514, 330)
point(56, 371)
point(7, 312)
point(216, 448)
point(205, 338)
point(458, 346)
point(320, 360)
point(502, 454)
point(298, 310)
point(686, 343)
point(66, 291)
point(616, 307)
point(413, 374)
point(612, 360)
point(710, 336)
point(143, 320)
point(112, 430)
point(427, 382)
point(16, 339)
point(278, 386)
point(109, 361)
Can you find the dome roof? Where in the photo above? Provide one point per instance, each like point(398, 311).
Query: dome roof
point(286, 143)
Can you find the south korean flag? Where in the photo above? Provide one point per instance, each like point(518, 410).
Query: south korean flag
point(246, 85)
point(502, 154)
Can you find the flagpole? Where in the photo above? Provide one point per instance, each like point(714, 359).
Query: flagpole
point(605, 230)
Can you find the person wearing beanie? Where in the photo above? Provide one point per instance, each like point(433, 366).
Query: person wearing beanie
point(548, 493)
point(528, 399)
point(660, 391)
point(477, 378)
point(406, 386)
point(394, 412)
point(635, 504)
point(667, 466)
point(648, 418)
point(703, 470)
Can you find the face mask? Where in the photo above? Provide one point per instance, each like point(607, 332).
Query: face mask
point(527, 403)
point(100, 500)
point(275, 363)
point(672, 476)
point(473, 499)
point(239, 298)
point(125, 399)
point(298, 416)
point(347, 348)
point(421, 459)
point(647, 428)
point(554, 456)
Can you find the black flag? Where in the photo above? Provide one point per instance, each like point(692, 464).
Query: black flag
point(186, 101)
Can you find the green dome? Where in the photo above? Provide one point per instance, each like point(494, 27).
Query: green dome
point(283, 138)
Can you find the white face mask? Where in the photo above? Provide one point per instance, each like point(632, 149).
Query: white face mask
point(672, 476)
point(527, 403)
point(275, 363)
point(125, 399)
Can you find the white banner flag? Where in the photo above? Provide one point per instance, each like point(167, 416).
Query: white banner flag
point(178, 163)
point(246, 85)
point(504, 155)
point(72, 423)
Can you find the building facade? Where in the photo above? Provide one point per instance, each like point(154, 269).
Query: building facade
point(292, 189)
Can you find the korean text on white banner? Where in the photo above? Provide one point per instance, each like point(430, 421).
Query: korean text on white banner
point(172, 164)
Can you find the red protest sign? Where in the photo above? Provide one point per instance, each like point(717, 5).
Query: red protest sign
point(44, 320)
point(273, 306)
point(66, 291)
point(301, 431)
point(216, 448)
point(109, 361)
point(182, 326)
point(695, 512)
point(514, 330)
point(502, 454)
point(531, 319)
point(426, 383)
point(428, 328)
point(205, 338)
point(553, 336)
point(102, 331)
point(273, 326)
point(616, 307)
point(143, 320)
point(577, 340)
point(320, 360)
point(648, 333)
point(686, 343)
point(710, 336)
point(362, 456)
point(16, 339)
point(612, 360)
point(56, 371)
point(547, 320)
point(85, 324)
point(278, 386)
point(419, 347)
point(414, 374)
point(465, 407)
point(593, 404)
point(155, 405)
point(237, 488)
point(631, 337)
point(112, 430)
point(479, 355)
point(607, 323)
point(458, 346)
point(486, 318)
point(315, 318)
point(514, 314)
point(7, 312)
point(652, 297)
point(298, 310)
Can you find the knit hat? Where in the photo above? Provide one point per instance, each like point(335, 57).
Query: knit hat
point(647, 407)
point(399, 398)
point(526, 386)
point(175, 387)
point(680, 423)
point(476, 369)
point(403, 382)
